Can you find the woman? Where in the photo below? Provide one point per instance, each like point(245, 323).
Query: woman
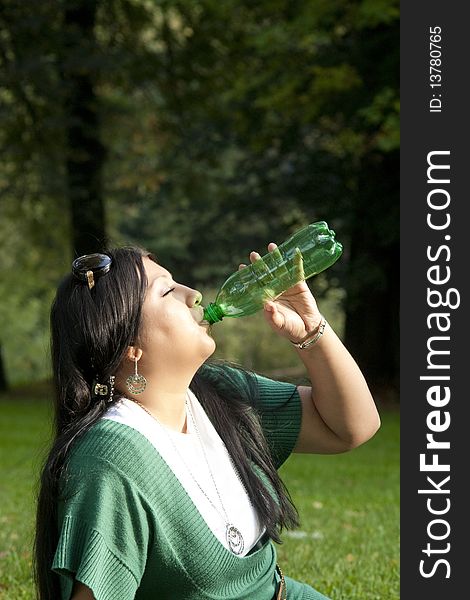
point(162, 479)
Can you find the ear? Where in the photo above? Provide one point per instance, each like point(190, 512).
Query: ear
point(134, 353)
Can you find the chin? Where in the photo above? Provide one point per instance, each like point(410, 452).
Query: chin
point(205, 345)
point(211, 347)
point(205, 352)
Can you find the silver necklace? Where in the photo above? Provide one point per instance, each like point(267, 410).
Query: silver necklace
point(233, 535)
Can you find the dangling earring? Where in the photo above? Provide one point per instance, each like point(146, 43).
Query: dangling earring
point(136, 383)
point(112, 379)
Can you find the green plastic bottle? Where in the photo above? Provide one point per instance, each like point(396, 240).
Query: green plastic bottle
point(307, 252)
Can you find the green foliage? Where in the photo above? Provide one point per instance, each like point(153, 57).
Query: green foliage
point(226, 125)
point(273, 111)
point(33, 252)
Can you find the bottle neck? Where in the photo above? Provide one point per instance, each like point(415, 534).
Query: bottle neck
point(213, 313)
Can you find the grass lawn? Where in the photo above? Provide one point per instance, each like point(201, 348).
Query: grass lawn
point(347, 545)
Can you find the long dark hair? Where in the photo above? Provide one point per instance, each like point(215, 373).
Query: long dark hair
point(90, 333)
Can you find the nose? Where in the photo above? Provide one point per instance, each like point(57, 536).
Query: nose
point(197, 299)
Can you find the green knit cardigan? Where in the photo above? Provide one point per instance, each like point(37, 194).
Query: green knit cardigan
point(128, 529)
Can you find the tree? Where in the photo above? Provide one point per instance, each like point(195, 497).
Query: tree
point(37, 70)
point(288, 111)
point(85, 153)
point(206, 129)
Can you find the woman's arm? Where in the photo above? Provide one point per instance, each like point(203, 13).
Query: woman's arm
point(338, 412)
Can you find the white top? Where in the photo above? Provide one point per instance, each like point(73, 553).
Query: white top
point(190, 459)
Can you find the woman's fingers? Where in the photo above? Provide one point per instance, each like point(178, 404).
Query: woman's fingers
point(254, 256)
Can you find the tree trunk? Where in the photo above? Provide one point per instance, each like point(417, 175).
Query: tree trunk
point(372, 312)
point(85, 153)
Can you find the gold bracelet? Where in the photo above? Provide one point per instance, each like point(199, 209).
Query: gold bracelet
point(312, 337)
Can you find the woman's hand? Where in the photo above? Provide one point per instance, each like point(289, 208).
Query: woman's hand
point(294, 313)
point(338, 411)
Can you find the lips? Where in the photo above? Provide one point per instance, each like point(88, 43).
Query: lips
point(200, 316)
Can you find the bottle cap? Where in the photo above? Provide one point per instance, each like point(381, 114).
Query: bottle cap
point(213, 313)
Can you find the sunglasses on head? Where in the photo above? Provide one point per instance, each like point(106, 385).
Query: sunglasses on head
point(90, 267)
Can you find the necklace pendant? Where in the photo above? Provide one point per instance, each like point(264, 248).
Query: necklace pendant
point(234, 539)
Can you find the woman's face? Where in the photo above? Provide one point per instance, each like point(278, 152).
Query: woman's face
point(172, 333)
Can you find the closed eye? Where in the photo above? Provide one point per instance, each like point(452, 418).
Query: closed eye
point(170, 290)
